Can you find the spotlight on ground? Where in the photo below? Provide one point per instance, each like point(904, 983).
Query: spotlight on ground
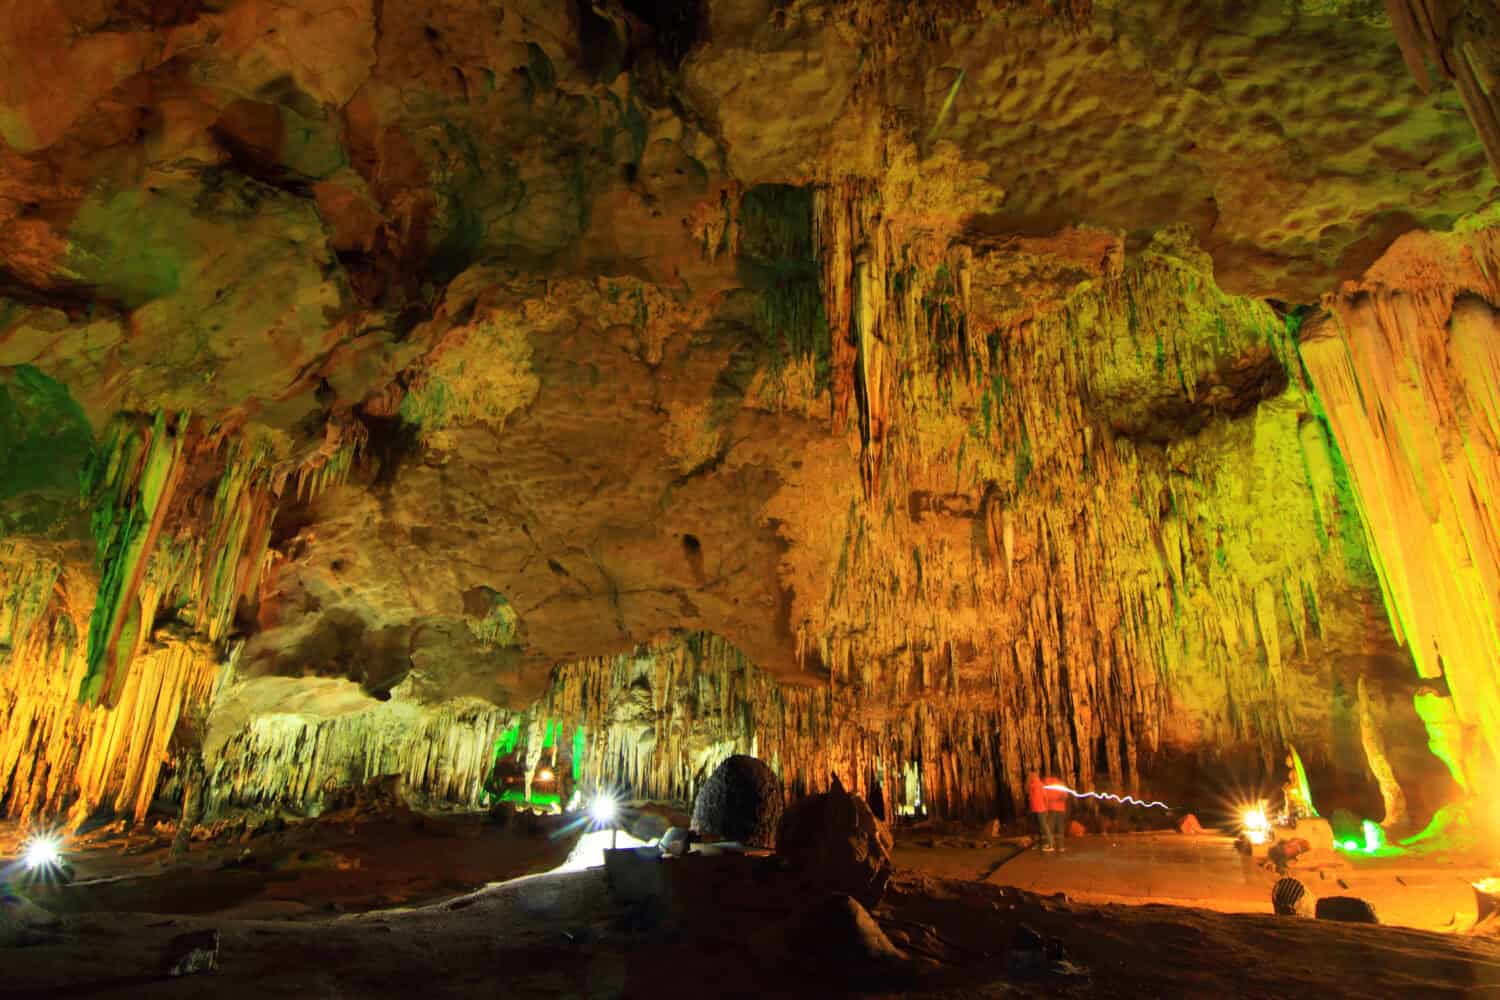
point(42, 853)
point(1257, 828)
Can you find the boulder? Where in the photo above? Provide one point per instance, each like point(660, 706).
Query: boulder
point(741, 801)
point(835, 838)
point(1283, 852)
point(1190, 826)
point(1348, 909)
point(1290, 898)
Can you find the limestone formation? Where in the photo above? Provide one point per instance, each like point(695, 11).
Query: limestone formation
point(834, 840)
point(918, 392)
point(740, 802)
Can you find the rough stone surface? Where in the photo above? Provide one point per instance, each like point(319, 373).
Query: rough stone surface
point(1349, 909)
point(836, 842)
point(741, 801)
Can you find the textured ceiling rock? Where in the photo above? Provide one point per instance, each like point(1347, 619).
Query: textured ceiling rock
point(602, 478)
point(1293, 143)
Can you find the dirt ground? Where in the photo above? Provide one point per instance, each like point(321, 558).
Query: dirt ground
point(726, 926)
point(1426, 892)
point(336, 864)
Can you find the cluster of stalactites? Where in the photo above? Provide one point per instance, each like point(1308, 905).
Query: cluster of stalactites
point(169, 536)
point(1092, 585)
point(1457, 39)
point(659, 721)
point(91, 691)
point(1410, 377)
point(57, 755)
point(442, 754)
point(884, 299)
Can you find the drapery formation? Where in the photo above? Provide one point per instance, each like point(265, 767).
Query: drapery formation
point(1408, 368)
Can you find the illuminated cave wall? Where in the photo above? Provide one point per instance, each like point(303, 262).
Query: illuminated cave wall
point(1408, 368)
point(447, 331)
point(105, 656)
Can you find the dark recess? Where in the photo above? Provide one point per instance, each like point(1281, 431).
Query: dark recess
point(673, 24)
point(390, 442)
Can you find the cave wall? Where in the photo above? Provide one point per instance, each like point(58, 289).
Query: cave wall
point(934, 359)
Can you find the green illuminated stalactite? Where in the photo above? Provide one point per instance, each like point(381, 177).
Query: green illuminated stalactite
point(131, 482)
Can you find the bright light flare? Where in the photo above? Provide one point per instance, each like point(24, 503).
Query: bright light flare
point(1253, 821)
point(603, 809)
point(1128, 800)
point(42, 853)
point(545, 775)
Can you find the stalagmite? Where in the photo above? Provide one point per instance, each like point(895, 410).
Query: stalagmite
point(1374, 744)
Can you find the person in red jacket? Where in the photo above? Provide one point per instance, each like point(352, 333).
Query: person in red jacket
point(1057, 810)
point(1036, 800)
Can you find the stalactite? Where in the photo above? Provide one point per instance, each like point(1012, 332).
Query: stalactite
point(133, 481)
point(1108, 450)
point(1444, 33)
point(442, 754)
point(1408, 377)
point(660, 720)
point(91, 687)
point(57, 754)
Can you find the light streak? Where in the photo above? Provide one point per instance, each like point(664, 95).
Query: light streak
point(1128, 800)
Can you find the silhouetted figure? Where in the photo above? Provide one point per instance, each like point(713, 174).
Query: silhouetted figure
point(1036, 799)
point(1057, 810)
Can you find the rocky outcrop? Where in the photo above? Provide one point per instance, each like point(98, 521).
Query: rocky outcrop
point(836, 843)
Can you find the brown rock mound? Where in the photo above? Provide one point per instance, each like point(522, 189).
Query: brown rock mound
point(741, 801)
point(836, 839)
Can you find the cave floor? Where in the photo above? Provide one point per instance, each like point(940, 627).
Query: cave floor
point(726, 933)
point(339, 863)
point(1426, 892)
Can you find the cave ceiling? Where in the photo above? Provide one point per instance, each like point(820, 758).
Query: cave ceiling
point(915, 348)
